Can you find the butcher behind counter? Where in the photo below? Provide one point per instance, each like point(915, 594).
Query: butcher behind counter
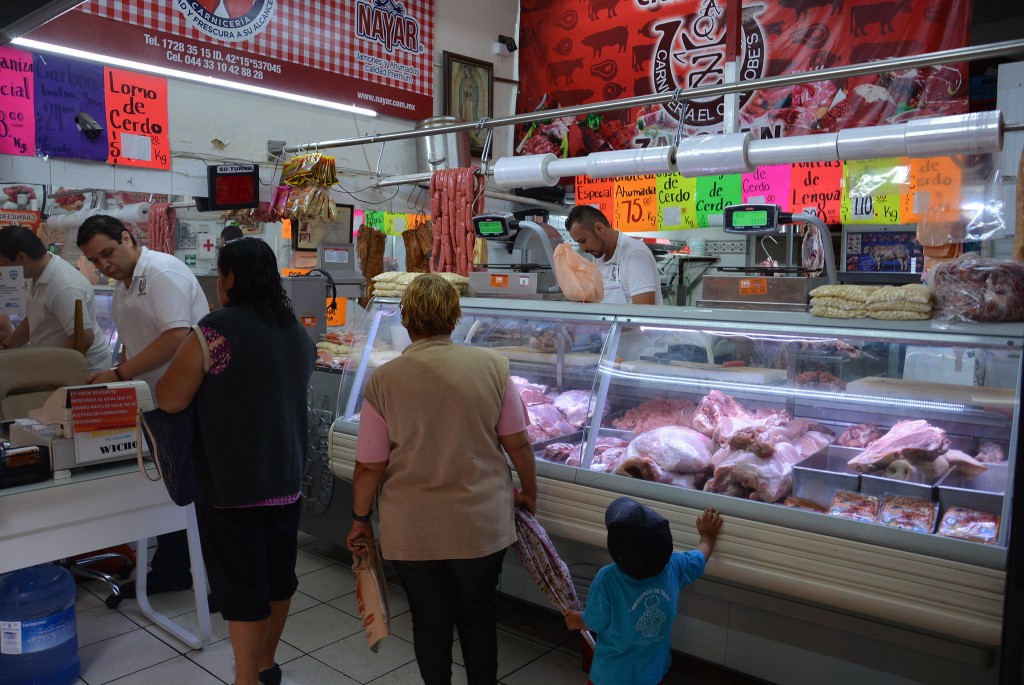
point(628, 269)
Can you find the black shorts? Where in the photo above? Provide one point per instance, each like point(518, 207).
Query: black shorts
point(250, 557)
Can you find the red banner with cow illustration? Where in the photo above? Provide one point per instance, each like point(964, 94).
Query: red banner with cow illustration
point(575, 52)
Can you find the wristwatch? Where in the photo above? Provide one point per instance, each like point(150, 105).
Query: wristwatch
point(361, 519)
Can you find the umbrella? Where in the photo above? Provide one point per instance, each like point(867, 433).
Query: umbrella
point(539, 557)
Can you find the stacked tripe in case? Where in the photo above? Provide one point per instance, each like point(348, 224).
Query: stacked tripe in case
point(394, 283)
point(907, 302)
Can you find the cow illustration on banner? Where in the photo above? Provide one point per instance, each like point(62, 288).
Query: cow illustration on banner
point(574, 53)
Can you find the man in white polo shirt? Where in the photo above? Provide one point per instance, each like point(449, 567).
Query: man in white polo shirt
point(50, 308)
point(628, 269)
point(156, 302)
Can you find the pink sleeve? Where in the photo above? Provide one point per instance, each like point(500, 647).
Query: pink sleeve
point(373, 444)
point(513, 411)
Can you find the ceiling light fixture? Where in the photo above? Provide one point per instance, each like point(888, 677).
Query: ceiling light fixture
point(62, 51)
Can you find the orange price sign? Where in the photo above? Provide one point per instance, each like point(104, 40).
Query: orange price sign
point(636, 206)
point(336, 317)
point(753, 286)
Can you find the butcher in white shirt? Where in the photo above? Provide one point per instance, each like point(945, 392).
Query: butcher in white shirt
point(54, 288)
point(628, 269)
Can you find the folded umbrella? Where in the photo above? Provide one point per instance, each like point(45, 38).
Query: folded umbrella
point(539, 557)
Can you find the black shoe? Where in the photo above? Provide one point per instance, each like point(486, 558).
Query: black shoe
point(154, 586)
point(271, 676)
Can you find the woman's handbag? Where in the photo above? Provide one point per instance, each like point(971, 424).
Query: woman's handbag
point(171, 444)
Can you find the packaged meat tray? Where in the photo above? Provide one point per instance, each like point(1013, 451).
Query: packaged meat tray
point(804, 504)
point(909, 513)
point(968, 524)
point(854, 506)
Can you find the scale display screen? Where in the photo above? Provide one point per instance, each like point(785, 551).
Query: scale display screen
point(495, 225)
point(749, 219)
point(490, 228)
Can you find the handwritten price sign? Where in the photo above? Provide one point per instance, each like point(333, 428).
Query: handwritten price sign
point(636, 206)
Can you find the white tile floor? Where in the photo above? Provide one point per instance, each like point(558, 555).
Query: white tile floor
point(323, 640)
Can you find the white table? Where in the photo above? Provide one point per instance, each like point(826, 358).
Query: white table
point(95, 508)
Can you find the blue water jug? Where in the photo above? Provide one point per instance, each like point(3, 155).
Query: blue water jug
point(38, 633)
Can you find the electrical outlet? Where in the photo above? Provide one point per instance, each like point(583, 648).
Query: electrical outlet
point(726, 246)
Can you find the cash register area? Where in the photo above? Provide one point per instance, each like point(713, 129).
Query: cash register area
point(323, 640)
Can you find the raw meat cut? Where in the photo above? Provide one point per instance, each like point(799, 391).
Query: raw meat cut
point(859, 435)
point(743, 473)
point(714, 407)
point(820, 380)
point(761, 440)
point(763, 420)
point(918, 471)
point(603, 445)
point(608, 460)
point(673, 448)
point(532, 393)
point(990, 453)
point(907, 439)
point(546, 422)
point(575, 404)
point(560, 452)
point(655, 414)
point(642, 468)
point(969, 466)
point(812, 441)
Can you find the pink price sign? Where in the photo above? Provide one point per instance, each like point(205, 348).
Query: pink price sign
point(770, 184)
point(17, 109)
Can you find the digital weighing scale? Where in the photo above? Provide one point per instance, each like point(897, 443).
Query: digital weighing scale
point(785, 288)
point(530, 246)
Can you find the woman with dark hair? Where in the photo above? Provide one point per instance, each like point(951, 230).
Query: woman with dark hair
point(248, 362)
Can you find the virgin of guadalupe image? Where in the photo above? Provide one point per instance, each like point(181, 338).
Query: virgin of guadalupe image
point(467, 105)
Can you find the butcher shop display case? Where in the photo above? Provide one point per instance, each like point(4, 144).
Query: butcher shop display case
point(862, 466)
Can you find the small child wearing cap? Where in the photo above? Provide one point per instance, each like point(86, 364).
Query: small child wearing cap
point(632, 603)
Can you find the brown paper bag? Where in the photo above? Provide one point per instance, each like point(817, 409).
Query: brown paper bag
point(372, 592)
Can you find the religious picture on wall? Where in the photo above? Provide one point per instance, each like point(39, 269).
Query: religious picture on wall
point(469, 93)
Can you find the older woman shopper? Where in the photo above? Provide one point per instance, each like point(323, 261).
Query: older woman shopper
point(435, 428)
point(247, 366)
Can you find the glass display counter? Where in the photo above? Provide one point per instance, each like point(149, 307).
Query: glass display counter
point(844, 455)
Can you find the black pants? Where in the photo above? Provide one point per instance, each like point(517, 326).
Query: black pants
point(457, 593)
point(171, 563)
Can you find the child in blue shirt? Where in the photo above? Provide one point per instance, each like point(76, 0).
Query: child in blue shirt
point(632, 603)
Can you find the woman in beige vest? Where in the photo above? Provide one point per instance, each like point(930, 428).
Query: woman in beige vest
point(435, 428)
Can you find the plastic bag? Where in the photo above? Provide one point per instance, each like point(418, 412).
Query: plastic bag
point(371, 592)
point(973, 288)
point(579, 279)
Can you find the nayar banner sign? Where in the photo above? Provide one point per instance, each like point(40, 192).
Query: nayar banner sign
point(574, 53)
point(376, 54)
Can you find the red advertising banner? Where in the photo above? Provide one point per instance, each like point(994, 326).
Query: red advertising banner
point(136, 119)
point(573, 53)
point(376, 54)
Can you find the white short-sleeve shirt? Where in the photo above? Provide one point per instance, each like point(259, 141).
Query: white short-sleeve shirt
point(164, 294)
point(51, 311)
point(630, 272)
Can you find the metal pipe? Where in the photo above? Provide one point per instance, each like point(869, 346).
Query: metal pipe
point(493, 194)
point(1001, 49)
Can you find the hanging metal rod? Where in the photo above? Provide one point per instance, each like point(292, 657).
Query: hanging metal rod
point(968, 54)
point(422, 179)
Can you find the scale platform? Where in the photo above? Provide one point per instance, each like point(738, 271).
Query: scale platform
point(770, 293)
point(513, 282)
